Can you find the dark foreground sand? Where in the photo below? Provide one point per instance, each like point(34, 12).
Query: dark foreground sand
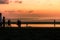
point(29, 33)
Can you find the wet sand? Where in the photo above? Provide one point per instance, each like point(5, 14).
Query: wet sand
point(16, 33)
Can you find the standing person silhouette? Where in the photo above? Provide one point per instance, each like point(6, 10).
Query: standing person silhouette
point(9, 23)
point(0, 19)
point(3, 21)
point(54, 23)
point(19, 23)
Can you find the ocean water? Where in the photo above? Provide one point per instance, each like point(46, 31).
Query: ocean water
point(35, 25)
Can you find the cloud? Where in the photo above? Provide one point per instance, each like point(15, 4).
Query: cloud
point(4, 1)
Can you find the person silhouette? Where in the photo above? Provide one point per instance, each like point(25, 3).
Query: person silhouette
point(9, 22)
point(19, 23)
point(3, 21)
point(54, 23)
point(0, 19)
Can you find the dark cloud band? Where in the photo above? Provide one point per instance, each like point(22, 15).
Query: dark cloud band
point(4, 1)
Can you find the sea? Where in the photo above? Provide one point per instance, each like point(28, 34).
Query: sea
point(36, 25)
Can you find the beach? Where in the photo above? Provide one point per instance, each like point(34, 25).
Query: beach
point(15, 33)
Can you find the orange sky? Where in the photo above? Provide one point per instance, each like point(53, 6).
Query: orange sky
point(51, 7)
point(32, 5)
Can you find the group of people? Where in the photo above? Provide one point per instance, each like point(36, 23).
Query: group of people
point(2, 21)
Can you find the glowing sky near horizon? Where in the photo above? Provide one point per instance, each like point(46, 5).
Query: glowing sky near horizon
point(42, 7)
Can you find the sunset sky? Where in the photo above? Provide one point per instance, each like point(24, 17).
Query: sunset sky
point(32, 5)
point(31, 8)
